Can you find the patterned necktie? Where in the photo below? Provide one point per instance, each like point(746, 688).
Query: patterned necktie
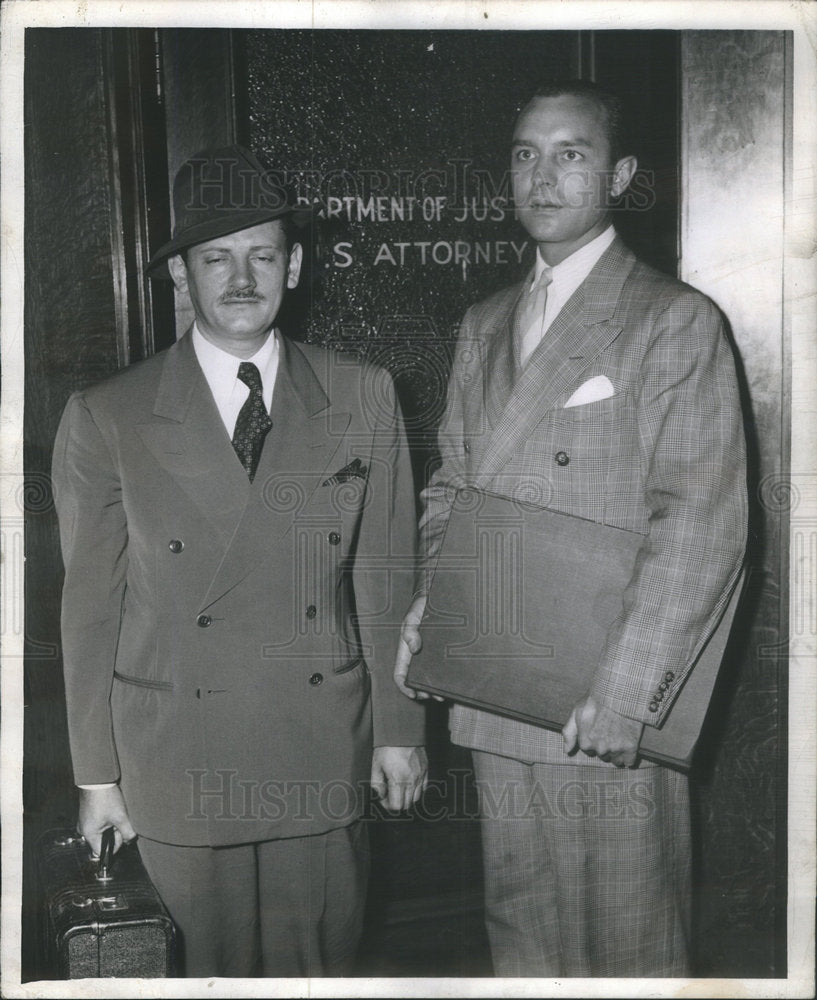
point(529, 320)
point(253, 423)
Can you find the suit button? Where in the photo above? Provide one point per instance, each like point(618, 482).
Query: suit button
point(311, 611)
point(653, 706)
point(466, 447)
point(669, 676)
point(334, 538)
point(663, 686)
point(316, 679)
point(562, 458)
point(175, 545)
point(204, 621)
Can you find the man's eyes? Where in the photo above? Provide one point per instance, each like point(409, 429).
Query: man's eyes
point(526, 155)
point(262, 258)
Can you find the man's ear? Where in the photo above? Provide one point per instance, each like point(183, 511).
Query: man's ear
point(178, 272)
point(622, 175)
point(296, 256)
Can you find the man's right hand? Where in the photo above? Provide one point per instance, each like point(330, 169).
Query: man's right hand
point(100, 808)
point(410, 643)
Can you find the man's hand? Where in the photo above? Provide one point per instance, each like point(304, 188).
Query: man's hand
point(410, 643)
point(100, 808)
point(399, 776)
point(600, 732)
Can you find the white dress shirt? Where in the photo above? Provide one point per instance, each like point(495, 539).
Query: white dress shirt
point(221, 371)
point(565, 279)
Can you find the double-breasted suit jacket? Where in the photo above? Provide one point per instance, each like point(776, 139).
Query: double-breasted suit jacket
point(228, 646)
point(662, 455)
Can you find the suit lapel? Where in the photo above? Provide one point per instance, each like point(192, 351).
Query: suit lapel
point(297, 456)
point(189, 440)
point(583, 329)
point(500, 364)
point(493, 374)
point(306, 432)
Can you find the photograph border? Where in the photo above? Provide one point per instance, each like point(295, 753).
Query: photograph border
point(801, 298)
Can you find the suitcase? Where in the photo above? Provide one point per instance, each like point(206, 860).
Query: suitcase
point(101, 917)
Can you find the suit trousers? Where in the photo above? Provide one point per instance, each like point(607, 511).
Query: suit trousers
point(587, 869)
point(280, 908)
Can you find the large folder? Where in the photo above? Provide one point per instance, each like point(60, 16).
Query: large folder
point(518, 612)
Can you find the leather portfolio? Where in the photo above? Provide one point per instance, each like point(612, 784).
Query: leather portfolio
point(518, 613)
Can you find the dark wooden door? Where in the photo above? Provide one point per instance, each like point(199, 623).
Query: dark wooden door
point(95, 199)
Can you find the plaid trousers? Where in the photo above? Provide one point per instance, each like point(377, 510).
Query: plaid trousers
point(587, 869)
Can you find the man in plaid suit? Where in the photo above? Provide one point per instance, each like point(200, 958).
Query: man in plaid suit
point(609, 390)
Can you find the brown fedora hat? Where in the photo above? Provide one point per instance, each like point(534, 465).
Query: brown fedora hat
point(221, 191)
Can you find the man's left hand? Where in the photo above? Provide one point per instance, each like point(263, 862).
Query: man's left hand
point(399, 776)
point(600, 732)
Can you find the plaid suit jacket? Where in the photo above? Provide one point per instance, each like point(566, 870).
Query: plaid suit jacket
point(664, 455)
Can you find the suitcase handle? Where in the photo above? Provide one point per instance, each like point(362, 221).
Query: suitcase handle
point(105, 855)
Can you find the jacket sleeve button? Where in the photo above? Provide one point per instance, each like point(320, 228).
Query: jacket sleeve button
point(334, 538)
point(669, 676)
point(311, 611)
point(204, 621)
point(316, 679)
point(562, 458)
point(175, 545)
point(653, 706)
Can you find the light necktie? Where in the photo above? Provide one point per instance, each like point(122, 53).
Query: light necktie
point(530, 319)
point(253, 423)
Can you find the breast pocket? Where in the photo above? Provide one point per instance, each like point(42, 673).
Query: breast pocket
point(580, 448)
point(343, 499)
point(597, 408)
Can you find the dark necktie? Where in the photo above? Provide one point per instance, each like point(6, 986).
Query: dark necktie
point(253, 423)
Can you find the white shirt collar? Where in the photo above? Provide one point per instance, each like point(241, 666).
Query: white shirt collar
point(221, 371)
point(572, 271)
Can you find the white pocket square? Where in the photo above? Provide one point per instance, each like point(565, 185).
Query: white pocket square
point(599, 387)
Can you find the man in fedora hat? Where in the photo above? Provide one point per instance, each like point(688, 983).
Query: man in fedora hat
point(236, 524)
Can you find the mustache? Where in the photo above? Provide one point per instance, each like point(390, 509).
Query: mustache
point(236, 295)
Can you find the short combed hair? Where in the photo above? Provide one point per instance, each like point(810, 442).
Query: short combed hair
point(609, 104)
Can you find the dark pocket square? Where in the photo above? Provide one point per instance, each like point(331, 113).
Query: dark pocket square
point(354, 470)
